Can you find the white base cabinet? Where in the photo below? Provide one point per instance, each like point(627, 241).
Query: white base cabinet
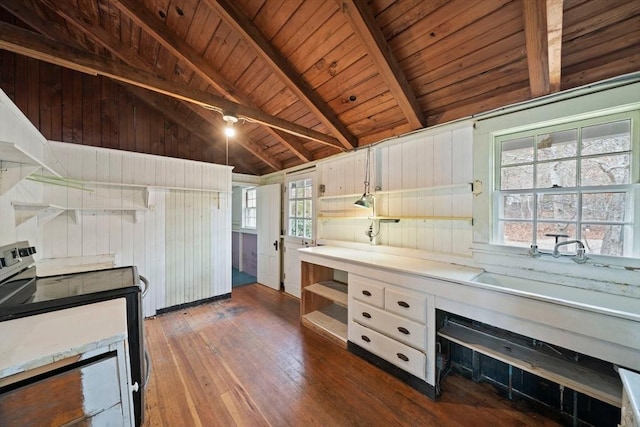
point(391, 318)
point(390, 322)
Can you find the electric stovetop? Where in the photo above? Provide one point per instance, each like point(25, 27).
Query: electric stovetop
point(26, 294)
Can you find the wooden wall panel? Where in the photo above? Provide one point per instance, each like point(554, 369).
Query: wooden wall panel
point(68, 106)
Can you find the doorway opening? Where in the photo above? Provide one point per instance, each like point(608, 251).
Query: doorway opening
point(244, 247)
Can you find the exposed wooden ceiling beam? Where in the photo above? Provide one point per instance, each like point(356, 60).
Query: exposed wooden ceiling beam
point(554, 41)
point(236, 18)
point(106, 40)
point(258, 151)
point(364, 24)
point(141, 16)
point(160, 103)
point(543, 35)
point(26, 43)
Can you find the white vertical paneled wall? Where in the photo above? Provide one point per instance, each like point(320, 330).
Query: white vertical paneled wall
point(178, 234)
point(16, 129)
point(424, 166)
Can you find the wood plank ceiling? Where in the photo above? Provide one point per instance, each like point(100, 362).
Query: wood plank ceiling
point(312, 78)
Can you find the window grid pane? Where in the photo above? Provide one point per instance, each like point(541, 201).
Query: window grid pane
point(249, 207)
point(540, 192)
point(301, 208)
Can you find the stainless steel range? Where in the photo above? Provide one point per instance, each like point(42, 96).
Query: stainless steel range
point(23, 293)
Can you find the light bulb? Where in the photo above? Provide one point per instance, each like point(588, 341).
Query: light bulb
point(229, 131)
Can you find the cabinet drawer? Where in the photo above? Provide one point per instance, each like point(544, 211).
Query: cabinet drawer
point(401, 355)
point(406, 303)
point(396, 327)
point(367, 290)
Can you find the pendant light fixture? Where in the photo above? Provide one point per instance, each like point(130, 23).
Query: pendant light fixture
point(231, 119)
point(366, 200)
point(229, 130)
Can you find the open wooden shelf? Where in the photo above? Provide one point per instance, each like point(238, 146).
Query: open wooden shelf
point(330, 321)
point(323, 303)
point(601, 385)
point(335, 291)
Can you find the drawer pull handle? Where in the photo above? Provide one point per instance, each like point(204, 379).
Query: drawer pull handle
point(365, 314)
point(402, 357)
point(403, 330)
point(366, 293)
point(365, 338)
point(403, 304)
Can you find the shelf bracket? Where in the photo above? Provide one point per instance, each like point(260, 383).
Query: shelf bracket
point(12, 173)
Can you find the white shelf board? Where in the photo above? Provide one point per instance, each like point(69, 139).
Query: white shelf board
point(465, 185)
point(599, 385)
point(330, 321)
point(335, 291)
point(397, 218)
point(45, 212)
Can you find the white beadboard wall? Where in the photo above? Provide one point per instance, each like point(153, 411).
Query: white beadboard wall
point(15, 128)
point(181, 242)
point(442, 156)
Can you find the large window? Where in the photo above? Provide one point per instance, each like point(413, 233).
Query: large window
point(301, 208)
point(573, 181)
point(249, 208)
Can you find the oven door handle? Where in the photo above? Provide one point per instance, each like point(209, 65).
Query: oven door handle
point(147, 363)
point(146, 285)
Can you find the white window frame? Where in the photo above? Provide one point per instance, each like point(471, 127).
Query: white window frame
point(632, 189)
point(249, 208)
point(308, 199)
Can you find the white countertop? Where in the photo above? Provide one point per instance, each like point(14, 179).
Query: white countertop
point(421, 267)
point(34, 341)
point(601, 302)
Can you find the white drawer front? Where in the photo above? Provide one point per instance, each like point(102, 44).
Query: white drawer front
point(406, 303)
point(367, 290)
point(401, 355)
point(397, 327)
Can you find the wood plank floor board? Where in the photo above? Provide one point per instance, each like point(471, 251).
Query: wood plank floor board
point(246, 361)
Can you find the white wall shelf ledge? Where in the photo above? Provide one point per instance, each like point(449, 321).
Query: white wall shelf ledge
point(471, 187)
point(340, 196)
point(15, 165)
point(325, 217)
point(45, 212)
point(464, 186)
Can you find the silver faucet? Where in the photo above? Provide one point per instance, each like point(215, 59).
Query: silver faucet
point(534, 252)
point(580, 257)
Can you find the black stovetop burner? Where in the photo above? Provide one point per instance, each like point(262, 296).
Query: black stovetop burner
point(22, 292)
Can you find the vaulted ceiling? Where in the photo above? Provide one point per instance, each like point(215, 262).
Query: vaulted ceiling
point(312, 78)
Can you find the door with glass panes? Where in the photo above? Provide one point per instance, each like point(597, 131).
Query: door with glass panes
point(300, 226)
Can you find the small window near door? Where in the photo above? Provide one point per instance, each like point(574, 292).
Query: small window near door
point(301, 208)
point(249, 208)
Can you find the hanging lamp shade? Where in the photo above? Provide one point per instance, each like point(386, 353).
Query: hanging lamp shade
point(364, 201)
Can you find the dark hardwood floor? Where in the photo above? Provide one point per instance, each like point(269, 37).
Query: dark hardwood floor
point(246, 361)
